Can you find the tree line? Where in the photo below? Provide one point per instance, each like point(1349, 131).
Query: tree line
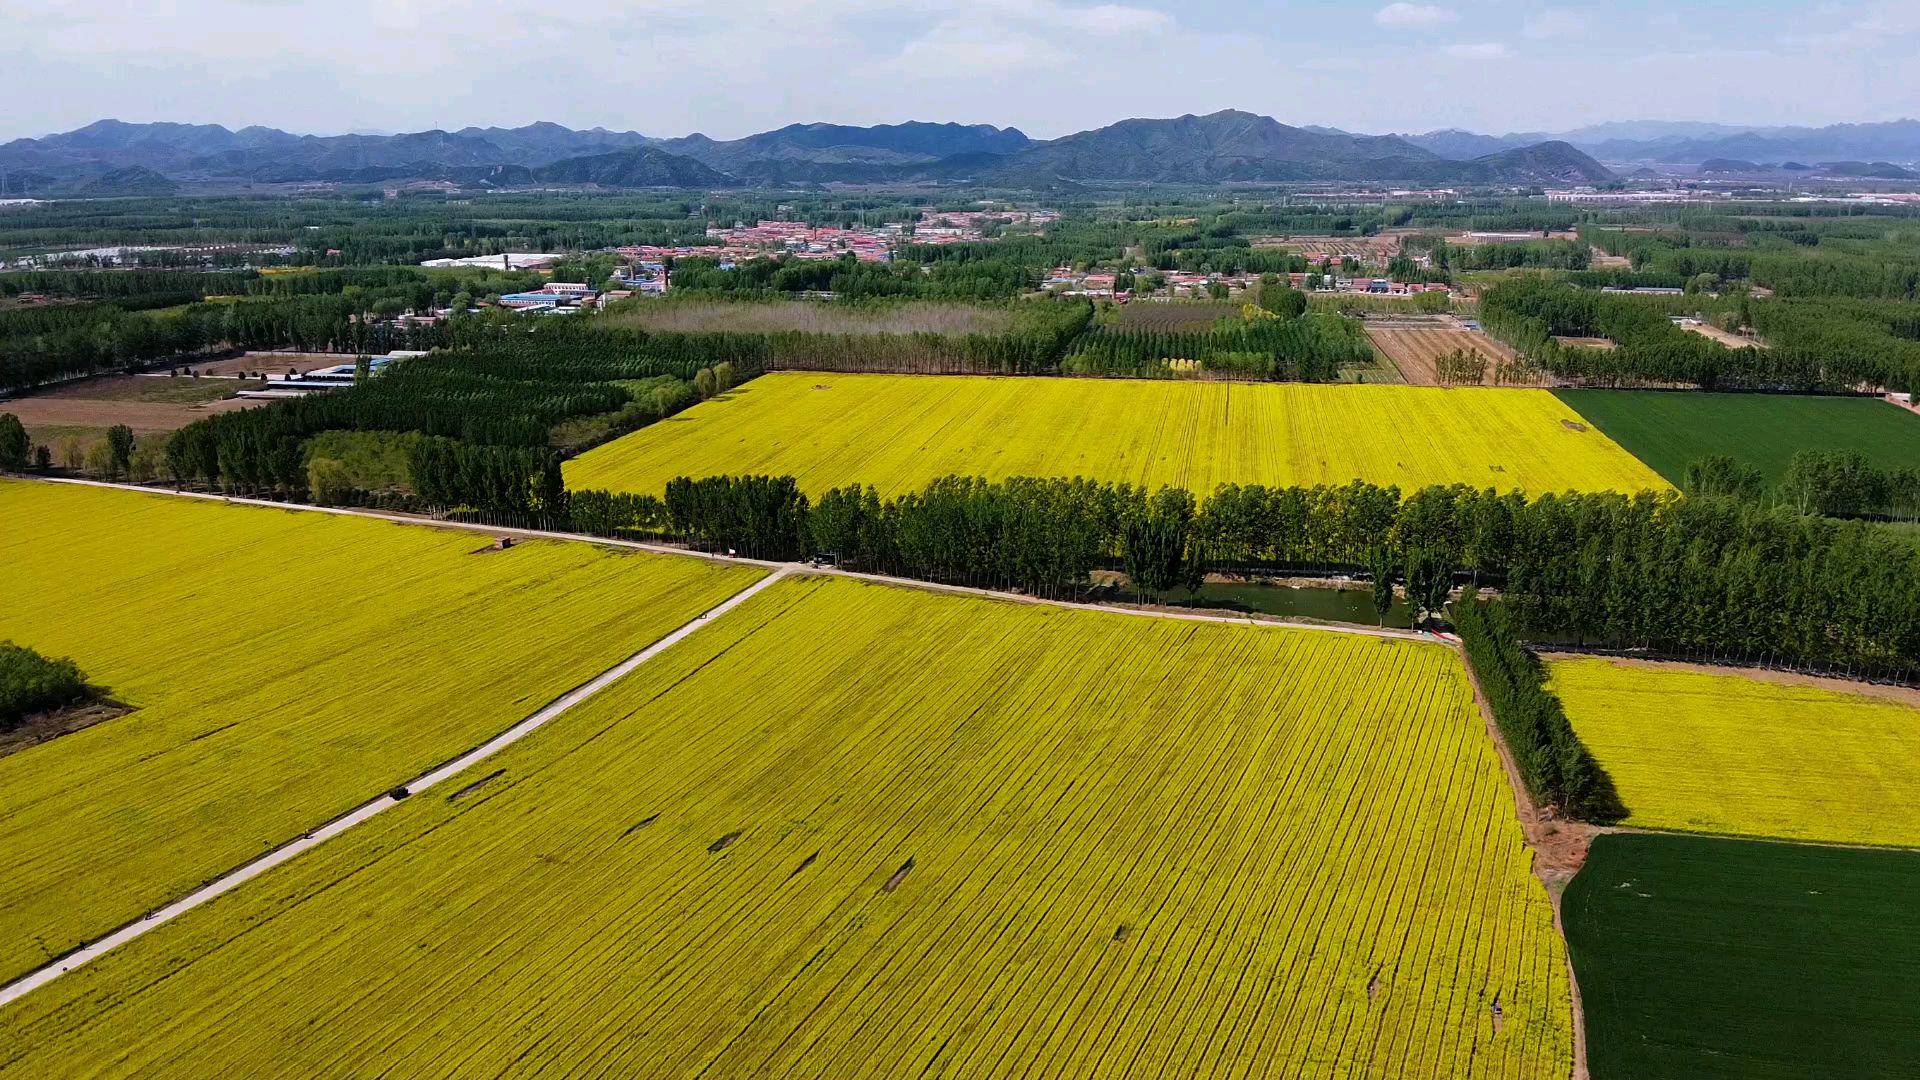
point(1527, 313)
point(1701, 577)
point(1301, 348)
point(1556, 767)
point(1833, 483)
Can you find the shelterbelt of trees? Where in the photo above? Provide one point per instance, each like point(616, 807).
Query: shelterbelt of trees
point(1694, 577)
point(1782, 248)
point(1835, 483)
point(1276, 339)
point(142, 318)
point(1813, 345)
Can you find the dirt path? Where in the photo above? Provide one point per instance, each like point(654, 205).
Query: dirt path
point(790, 568)
point(1731, 341)
point(1559, 846)
point(247, 872)
point(1559, 850)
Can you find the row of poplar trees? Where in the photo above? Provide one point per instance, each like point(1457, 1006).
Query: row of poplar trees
point(1705, 577)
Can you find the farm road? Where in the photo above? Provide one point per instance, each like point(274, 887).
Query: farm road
point(246, 872)
point(233, 879)
point(797, 568)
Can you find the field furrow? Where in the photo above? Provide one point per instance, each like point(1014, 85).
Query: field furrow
point(896, 432)
point(849, 828)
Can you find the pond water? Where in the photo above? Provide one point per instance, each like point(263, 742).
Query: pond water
point(1266, 598)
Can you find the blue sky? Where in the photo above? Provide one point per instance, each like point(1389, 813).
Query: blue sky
point(668, 67)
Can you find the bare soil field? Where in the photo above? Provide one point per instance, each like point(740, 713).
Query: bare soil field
point(1174, 314)
point(1586, 342)
point(275, 362)
point(1366, 248)
point(1416, 347)
point(1600, 260)
point(146, 404)
point(1472, 239)
point(695, 317)
point(44, 727)
point(1731, 341)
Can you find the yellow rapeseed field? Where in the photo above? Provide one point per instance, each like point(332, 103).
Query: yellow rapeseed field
point(896, 432)
point(1729, 754)
point(850, 830)
point(286, 667)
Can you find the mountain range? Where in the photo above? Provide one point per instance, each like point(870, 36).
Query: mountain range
point(114, 157)
point(1687, 143)
point(1220, 147)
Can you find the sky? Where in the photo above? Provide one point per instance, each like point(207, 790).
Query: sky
point(1049, 67)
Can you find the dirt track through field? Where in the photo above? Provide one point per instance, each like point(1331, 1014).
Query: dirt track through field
point(1540, 833)
point(239, 876)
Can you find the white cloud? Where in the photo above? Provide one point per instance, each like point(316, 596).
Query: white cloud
point(1401, 13)
point(1877, 25)
point(1048, 66)
point(1552, 23)
point(956, 49)
point(1118, 19)
point(1476, 50)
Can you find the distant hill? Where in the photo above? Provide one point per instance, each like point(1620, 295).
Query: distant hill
point(1729, 165)
point(1240, 146)
point(912, 143)
point(1463, 145)
point(641, 166)
point(201, 151)
point(132, 181)
point(1224, 146)
point(1547, 161)
point(1897, 140)
point(1877, 170)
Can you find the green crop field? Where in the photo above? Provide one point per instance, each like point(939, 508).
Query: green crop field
point(853, 830)
point(1669, 429)
point(284, 667)
point(1703, 959)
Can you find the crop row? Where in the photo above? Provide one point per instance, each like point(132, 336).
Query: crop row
point(856, 830)
point(284, 667)
point(1726, 754)
point(896, 433)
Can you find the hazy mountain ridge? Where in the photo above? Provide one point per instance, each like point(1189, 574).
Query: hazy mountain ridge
point(1232, 146)
point(1686, 143)
point(1227, 146)
point(911, 143)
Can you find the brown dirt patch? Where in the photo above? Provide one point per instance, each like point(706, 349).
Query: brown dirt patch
point(275, 362)
point(71, 408)
point(899, 876)
point(1586, 342)
point(151, 389)
point(1416, 348)
point(1573, 425)
point(45, 727)
point(1731, 341)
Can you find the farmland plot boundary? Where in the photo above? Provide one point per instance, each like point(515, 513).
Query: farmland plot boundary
point(246, 872)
